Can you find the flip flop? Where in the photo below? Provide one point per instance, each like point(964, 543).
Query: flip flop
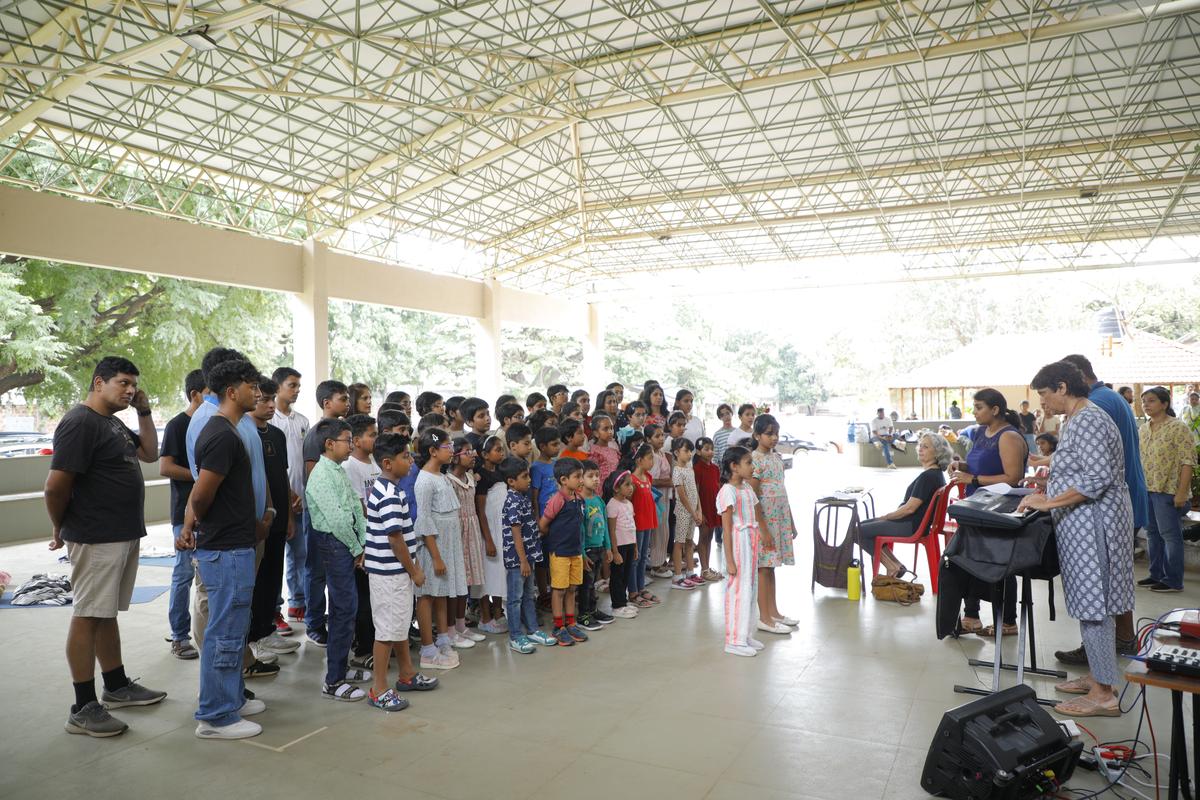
point(1083, 707)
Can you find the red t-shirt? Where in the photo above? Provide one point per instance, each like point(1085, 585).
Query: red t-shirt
point(708, 483)
point(645, 513)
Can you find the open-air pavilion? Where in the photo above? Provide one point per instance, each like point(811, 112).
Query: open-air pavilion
point(525, 163)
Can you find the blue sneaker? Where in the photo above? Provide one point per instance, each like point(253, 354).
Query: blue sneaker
point(542, 638)
point(318, 637)
point(521, 645)
point(564, 638)
point(576, 633)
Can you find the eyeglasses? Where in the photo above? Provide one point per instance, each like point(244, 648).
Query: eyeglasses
point(344, 441)
point(445, 447)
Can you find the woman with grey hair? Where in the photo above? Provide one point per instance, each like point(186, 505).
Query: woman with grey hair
point(935, 455)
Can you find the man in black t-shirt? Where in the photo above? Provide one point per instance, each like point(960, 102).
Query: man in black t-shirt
point(95, 498)
point(220, 525)
point(174, 464)
point(1028, 426)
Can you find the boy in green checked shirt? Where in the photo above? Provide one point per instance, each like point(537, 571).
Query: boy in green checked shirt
point(341, 531)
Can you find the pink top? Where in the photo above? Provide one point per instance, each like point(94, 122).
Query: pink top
point(606, 459)
point(624, 532)
point(742, 501)
point(661, 470)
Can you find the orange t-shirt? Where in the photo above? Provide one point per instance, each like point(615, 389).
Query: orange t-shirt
point(576, 454)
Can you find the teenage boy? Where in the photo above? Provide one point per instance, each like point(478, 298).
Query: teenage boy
point(570, 433)
point(222, 526)
point(333, 398)
point(268, 581)
point(295, 427)
point(392, 572)
point(339, 530)
point(95, 498)
point(173, 464)
point(477, 419)
point(597, 548)
point(535, 402)
point(393, 421)
point(362, 472)
point(522, 552)
point(561, 526)
point(557, 395)
point(542, 470)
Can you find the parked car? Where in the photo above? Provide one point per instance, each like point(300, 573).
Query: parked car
point(790, 444)
point(26, 444)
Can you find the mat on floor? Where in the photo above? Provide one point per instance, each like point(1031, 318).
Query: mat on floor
point(141, 594)
point(157, 561)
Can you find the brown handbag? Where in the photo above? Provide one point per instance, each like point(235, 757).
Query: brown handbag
point(894, 590)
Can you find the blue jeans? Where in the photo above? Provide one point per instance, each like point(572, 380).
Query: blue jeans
point(1031, 442)
point(343, 603)
point(638, 583)
point(297, 571)
point(314, 585)
point(886, 446)
point(181, 584)
point(228, 575)
point(1164, 539)
point(521, 604)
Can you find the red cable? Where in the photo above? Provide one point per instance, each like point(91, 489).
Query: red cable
point(1089, 733)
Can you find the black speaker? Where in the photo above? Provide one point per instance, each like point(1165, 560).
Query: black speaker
point(1001, 747)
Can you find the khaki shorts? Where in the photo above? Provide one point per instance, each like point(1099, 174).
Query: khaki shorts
point(565, 571)
point(391, 606)
point(102, 577)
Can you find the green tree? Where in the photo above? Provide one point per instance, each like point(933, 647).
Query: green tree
point(796, 379)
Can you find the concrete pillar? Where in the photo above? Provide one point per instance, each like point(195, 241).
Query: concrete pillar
point(310, 324)
point(488, 377)
point(594, 374)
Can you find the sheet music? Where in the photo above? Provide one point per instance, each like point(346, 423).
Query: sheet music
point(1004, 488)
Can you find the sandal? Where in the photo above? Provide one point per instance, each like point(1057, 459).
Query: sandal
point(1080, 685)
point(973, 627)
point(990, 631)
point(640, 602)
point(1083, 707)
point(651, 599)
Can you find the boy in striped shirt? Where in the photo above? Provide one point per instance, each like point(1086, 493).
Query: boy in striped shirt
point(390, 562)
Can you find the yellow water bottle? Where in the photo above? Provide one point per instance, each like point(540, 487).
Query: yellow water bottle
point(853, 580)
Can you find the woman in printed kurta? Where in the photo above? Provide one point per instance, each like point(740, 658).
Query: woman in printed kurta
point(1168, 456)
point(1093, 518)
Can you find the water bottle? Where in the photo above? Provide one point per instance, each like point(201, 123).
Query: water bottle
point(853, 580)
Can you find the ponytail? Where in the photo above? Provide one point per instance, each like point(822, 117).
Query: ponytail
point(733, 455)
point(993, 399)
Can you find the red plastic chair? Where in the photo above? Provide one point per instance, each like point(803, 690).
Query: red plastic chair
point(927, 536)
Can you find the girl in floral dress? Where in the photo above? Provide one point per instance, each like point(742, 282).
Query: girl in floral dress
point(462, 480)
point(767, 481)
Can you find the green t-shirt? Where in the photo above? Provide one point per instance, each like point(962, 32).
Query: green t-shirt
point(595, 524)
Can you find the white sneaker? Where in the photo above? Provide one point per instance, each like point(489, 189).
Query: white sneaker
point(625, 612)
point(740, 650)
point(474, 636)
point(275, 643)
point(252, 707)
point(461, 642)
point(263, 654)
point(242, 729)
point(439, 661)
point(777, 627)
point(754, 644)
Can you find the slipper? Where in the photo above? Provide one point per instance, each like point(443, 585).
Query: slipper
point(1080, 685)
point(974, 627)
point(1083, 707)
point(990, 632)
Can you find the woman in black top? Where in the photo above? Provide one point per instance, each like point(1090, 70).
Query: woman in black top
point(934, 453)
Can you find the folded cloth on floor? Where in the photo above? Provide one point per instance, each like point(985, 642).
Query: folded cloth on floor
point(157, 552)
point(43, 589)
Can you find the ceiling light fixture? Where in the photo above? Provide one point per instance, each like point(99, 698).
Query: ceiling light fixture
point(198, 39)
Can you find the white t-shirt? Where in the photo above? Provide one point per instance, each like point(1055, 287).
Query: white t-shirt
point(738, 436)
point(295, 428)
point(879, 426)
point(362, 475)
point(694, 429)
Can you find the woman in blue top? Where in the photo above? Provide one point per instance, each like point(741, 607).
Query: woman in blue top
point(998, 455)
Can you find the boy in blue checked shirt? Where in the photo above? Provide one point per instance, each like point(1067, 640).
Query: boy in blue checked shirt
point(522, 551)
point(336, 515)
point(392, 572)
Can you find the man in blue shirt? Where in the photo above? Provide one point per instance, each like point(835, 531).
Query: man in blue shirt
point(1122, 414)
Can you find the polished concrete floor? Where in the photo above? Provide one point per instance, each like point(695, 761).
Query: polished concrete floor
point(843, 708)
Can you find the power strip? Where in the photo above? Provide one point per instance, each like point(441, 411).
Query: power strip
point(1107, 766)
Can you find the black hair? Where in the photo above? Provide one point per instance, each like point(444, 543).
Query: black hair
point(359, 423)
point(281, 374)
point(1163, 396)
point(569, 408)
point(578, 393)
point(389, 418)
point(539, 419)
point(676, 416)
point(681, 443)
point(508, 411)
point(431, 420)
point(390, 445)
point(568, 428)
point(470, 407)
point(638, 453)
point(732, 455)
point(230, 373)
point(750, 406)
point(555, 389)
point(649, 429)
point(762, 424)
point(682, 393)
point(703, 440)
point(610, 483)
point(1061, 373)
point(215, 356)
point(725, 406)
point(327, 390)
point(589, 465)
point(430, 439)
point(599, 417)
point(512, 467)
point(266, 386)
point(632, 443)
point(425, 402)
point(516, 432)
point(356, 390)
point(454, 404)
point(544, 436)
point(330, 428)
point(614, 385)
point(487, 443)
point(386, 406)
point(632, 407)
point(396, 397)
point(505, 398)
point(1048, 438)
point(1083, 365)
point(194, 382)
point(602, 399)
point(995, 399)
point(535, 398)
point(565, 468)
point(647, 391)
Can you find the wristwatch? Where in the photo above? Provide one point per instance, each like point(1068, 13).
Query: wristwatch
point(145, 413)
point(974, 481)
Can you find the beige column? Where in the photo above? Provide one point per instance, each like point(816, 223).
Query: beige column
point(310, 324)
point(489, 380)
point(594, 375)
